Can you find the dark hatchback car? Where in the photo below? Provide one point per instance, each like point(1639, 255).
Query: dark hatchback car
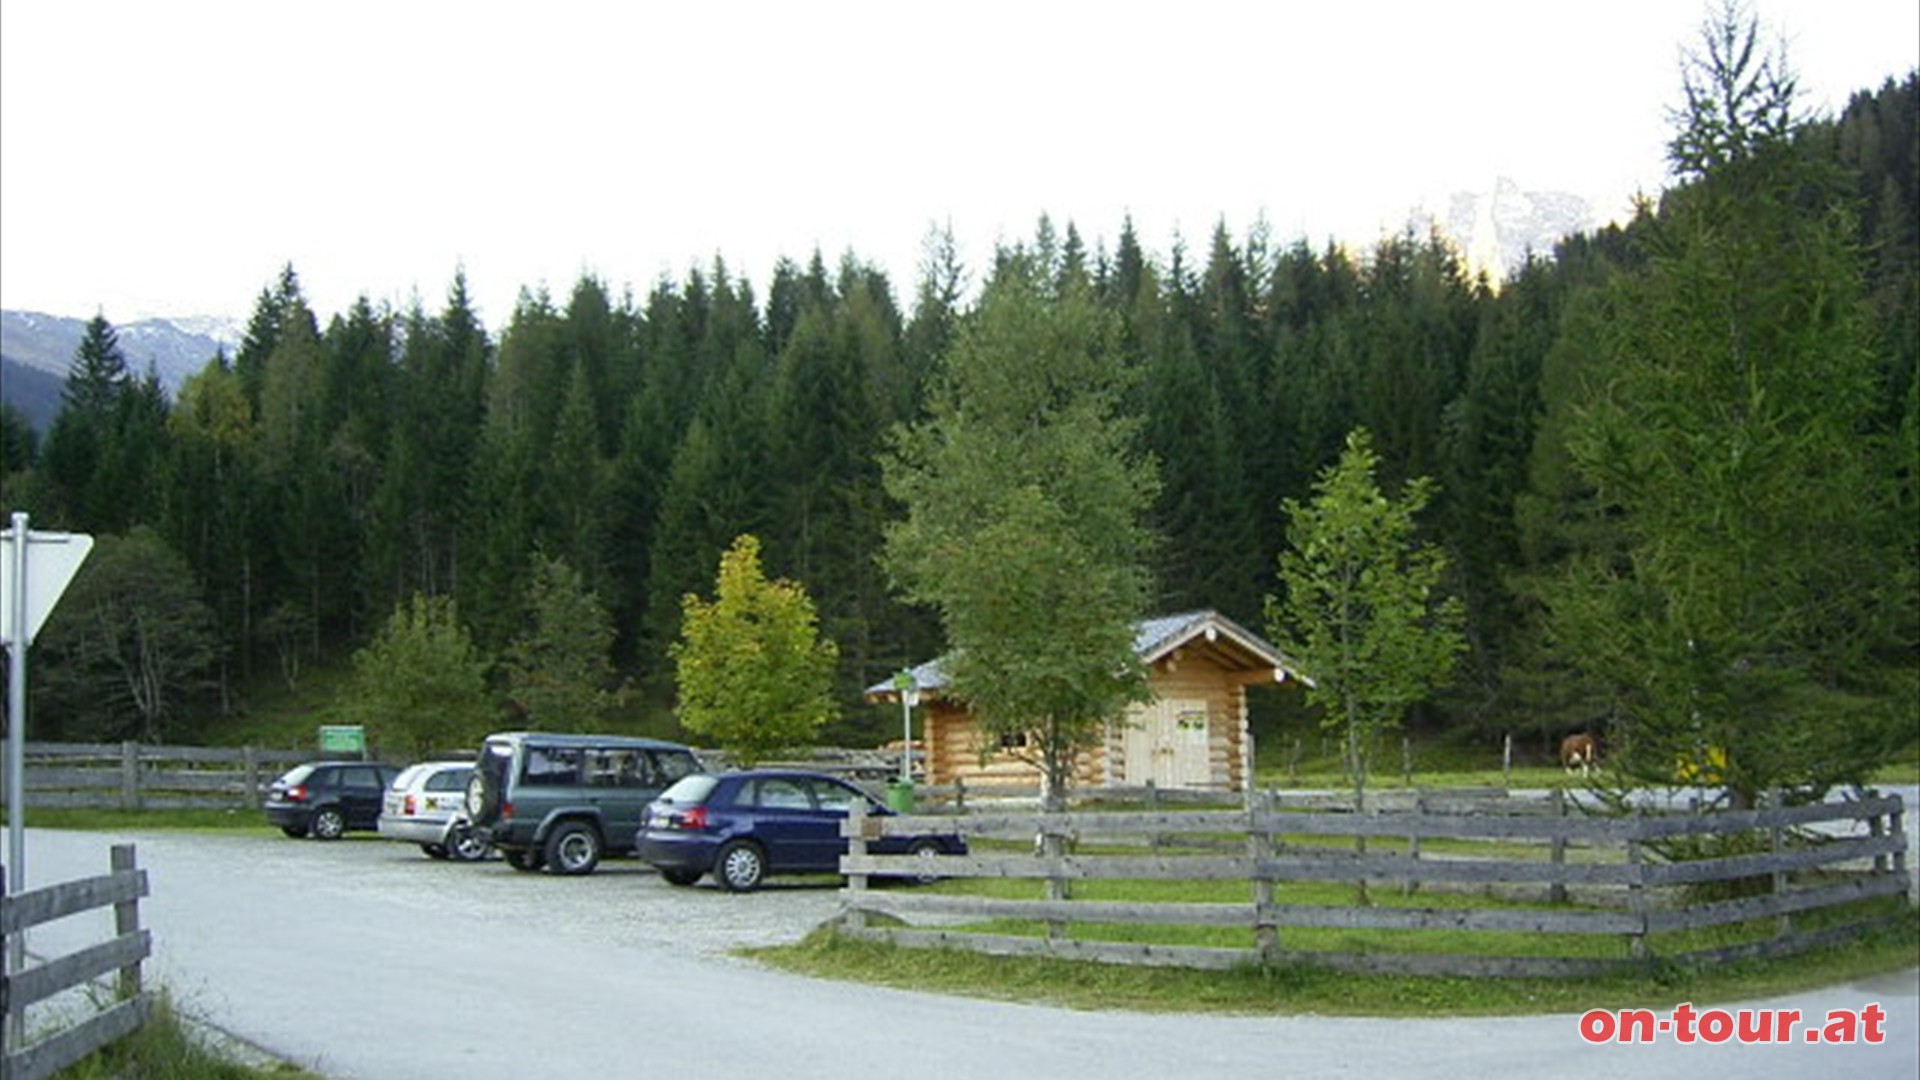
point(324, 799)
point(745, 826)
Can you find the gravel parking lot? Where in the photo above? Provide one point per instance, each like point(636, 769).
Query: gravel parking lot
point(623, 903)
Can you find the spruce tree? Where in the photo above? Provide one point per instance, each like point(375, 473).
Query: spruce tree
point(1744, 618)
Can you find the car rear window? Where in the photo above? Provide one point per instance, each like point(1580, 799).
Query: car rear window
point(690, 790)
point(297, 775)
point(448, 780)
point(407, 776)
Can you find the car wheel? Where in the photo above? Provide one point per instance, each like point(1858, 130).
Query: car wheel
point(680, 877)
point(328, 824)
point(466, 845)
point(740, 866)
point(434, 851)
point(483, 796)
point(928, 852)
point(524, 861)
point(573, 848)
point(295, 831)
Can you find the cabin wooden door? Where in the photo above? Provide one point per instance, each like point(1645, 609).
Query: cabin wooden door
point(1167, 744)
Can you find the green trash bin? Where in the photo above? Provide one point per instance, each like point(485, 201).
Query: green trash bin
point(900, 796)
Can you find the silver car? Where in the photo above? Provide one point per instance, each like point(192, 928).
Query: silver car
point(426, 805)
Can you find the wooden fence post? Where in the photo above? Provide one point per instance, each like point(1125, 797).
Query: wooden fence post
point(1637, 890)
point(129, 775)
point(1155, 840)
point(250, 765)
point(857, 883)
point(1557, 892)
point(1053, 851)
point(1266, 928)
point(126, 922)
point(1783, 922)
point(959, 794)
point(1412, 884)
point(1896, 819)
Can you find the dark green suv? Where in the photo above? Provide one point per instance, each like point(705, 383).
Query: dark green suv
point(561, 802)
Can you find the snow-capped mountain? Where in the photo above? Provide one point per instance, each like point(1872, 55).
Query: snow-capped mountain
point(175, 348)
point(1496, 230)
point(36, 349)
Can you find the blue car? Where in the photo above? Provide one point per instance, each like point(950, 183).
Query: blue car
point(742, 827)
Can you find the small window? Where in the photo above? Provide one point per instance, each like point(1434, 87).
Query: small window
point(618, 767)
point(671, 765)
point(1013, 740)
point(835, 797)
point(780, 793)
point(360, 779)
point(555, 765)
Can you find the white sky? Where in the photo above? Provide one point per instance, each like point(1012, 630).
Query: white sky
point(169, 157)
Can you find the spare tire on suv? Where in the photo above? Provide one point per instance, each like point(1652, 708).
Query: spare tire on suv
point(561, 802)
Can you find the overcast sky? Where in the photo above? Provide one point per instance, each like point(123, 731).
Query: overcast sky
point(169, 157)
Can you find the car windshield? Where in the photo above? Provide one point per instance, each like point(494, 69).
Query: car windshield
point(690, 790)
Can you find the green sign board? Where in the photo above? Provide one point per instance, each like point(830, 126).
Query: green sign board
point(343, 739)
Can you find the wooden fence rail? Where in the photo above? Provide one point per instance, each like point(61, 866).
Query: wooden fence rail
point(137, 776)
point(1536, 868)
point(120, 956)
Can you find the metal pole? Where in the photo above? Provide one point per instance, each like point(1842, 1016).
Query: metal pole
point(16, 757)
point(17, 711)
point(906, 751)
point(904, 683)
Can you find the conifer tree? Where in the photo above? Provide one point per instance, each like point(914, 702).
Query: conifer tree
point(1744, 615)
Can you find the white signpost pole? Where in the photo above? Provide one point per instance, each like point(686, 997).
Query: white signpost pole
point(15, 620)
point(28, 591)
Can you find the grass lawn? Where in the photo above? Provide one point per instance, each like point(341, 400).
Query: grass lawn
point(1299, 990)
point(1445, 765)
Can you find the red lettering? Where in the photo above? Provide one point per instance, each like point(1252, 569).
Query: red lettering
point(1683, 1022)
point(1841, 1025)
point(1875, 1017)
point(1597, 1026)
point(1637, 1025)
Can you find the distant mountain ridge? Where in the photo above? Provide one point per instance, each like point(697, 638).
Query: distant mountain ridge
point(36, 347)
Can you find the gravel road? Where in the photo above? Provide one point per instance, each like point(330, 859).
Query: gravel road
point(363, 960)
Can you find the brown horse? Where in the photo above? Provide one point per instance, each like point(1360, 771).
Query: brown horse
point(1579, 752)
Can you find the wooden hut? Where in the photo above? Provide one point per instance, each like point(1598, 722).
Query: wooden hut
point(1192, 733)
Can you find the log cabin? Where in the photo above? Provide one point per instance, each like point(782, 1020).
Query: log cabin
point(1193, 733)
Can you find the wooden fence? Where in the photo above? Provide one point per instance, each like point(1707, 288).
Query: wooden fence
point(135, 776)
point(120, 956)
point(1623, 890)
